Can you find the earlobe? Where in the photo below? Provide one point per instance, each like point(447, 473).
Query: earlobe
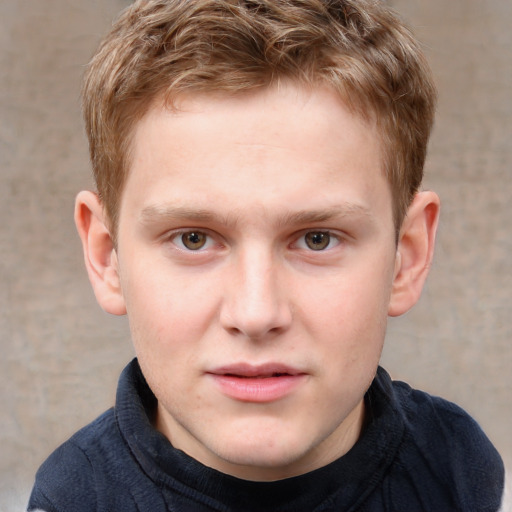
point(414, 252)
point(99, 253)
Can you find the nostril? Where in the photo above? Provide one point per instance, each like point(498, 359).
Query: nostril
point(257, 312)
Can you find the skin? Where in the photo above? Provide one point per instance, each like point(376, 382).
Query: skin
point(256, 178)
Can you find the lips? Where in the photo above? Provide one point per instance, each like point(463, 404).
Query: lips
point(259, 384)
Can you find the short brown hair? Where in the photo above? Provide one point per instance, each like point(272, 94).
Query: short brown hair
point(169, 47)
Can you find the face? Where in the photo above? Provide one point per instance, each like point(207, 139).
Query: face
point(256, 257)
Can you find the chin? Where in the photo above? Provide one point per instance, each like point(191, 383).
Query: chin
point(262, 460)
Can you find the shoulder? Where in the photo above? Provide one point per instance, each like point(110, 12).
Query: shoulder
point(434, 421)
point(445, 444)
point(68, 478)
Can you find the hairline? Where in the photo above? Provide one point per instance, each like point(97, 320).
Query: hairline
point(164, 98)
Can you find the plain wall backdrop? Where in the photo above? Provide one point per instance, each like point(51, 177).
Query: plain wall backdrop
point(61, 355)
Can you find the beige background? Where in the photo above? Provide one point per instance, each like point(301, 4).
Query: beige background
point(61, 356)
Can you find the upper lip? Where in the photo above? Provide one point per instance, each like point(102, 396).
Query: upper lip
point(260, 370)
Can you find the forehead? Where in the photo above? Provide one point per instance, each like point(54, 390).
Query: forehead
point(277, 144)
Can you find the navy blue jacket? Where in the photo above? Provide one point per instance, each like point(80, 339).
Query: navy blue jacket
point(417, 453)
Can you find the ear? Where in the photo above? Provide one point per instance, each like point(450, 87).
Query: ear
point(99, 253)
point(414, 252)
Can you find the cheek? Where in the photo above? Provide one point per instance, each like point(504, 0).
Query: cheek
point(167, 312)
point(352, 301)
point(351, 319)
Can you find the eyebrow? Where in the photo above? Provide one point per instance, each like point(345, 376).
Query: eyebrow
point(161, 213)
point(324, 215)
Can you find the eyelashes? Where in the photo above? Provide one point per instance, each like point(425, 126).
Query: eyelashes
point(195, 240)
point(317, 241)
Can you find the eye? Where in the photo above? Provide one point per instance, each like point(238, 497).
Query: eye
point(317, 241)
point(192, 240)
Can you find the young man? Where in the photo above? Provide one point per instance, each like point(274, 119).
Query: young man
point(258, 218)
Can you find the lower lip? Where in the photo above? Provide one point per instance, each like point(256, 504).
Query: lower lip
point(258, 390)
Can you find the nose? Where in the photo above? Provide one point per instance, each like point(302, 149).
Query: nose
point(256, 304)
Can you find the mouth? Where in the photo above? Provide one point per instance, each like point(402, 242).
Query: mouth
point(266, 376)
point(258, 384)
